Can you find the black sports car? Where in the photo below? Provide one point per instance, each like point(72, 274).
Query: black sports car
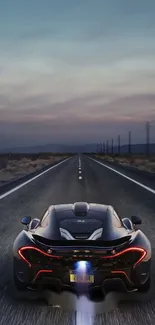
point(82, 246)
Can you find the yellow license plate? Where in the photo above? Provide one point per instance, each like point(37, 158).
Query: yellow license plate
point(82, 278)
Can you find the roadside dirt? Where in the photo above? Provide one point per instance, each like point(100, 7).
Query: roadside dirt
point(18, 168)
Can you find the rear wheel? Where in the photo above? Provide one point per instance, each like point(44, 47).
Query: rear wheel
point(146, 286)
point(19, 285)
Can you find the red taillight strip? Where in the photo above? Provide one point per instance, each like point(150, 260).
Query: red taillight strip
point(39, 272)
point(36, 249)
point(23, 258)
point(138, 249)
point(141, 258)
point(121, 272)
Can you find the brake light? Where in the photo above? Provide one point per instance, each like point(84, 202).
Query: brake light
point(39, 272)
point(26, 248)
point(130, 249)
point(121, 272)
point(23, 258)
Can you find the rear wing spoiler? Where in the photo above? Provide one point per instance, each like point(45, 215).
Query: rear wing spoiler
point(81, 243)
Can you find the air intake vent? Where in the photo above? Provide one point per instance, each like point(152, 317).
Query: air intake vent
point(81, 236)
point(80, 208)
point(42, 240)
point(116, 242)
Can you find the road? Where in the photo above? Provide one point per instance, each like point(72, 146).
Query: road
point(64, 185)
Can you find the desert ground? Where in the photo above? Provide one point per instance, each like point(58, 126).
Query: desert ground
point(138, 161)
point(15, 166)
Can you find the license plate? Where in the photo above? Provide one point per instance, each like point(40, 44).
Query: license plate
point(81, 278)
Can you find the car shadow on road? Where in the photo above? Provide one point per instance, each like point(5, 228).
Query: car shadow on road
point(69, 301)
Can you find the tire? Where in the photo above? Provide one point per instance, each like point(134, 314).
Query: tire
point(19, 285)
point(146, 286)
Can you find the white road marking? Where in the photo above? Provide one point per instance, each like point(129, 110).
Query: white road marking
point(80, 177)
point(123, 175)
point(30, 180)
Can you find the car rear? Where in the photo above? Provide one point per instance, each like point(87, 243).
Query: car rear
point(116, 266)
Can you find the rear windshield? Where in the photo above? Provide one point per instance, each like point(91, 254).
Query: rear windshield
point(81, 225)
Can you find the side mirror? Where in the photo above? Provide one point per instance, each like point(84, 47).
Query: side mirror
point(26, 220)
point(136, 220)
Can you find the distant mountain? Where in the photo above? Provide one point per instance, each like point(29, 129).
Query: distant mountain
point(52, 148)
point(87, 148)
point(136, 148)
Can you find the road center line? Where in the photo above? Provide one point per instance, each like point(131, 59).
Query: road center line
point(123, 175)
point(30, 180)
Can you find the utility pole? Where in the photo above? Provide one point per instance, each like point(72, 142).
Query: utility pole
point(107, 151)
point(148, 139)
point(129, 142)
point(100, 147)
point(103, 145)
point(112, 146)
point(119, 147)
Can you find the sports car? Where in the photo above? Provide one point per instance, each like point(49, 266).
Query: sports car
point(82, 246)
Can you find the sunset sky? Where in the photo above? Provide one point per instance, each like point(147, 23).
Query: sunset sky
point(76, 71)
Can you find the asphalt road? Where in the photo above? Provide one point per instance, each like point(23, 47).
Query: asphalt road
point(62, 185)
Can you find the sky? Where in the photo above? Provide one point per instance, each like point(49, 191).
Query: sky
point(76, 71)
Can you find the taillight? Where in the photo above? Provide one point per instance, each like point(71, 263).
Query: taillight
point(33, 255)
point(122, 273)
point(40, 272)
point(132, 255)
